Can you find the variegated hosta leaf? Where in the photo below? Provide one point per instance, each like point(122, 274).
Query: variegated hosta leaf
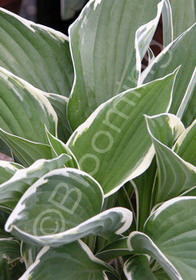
point(185, 146)
point(7, 170)
point(138, 268)
point(61, 148)
point(187, 109)
point(140, 243)
point(62, 207)
point(113, 145)
point(70, 7)
point(183, 13)
point(9, 249)
point(24, 109)
point(36, 53)
point(10, 266)
point(68, 262)
point(172, 227)
point(59, 104)
point(175, 175)
point(12, 190)
point(144, 34)
point(103, 47)
point(27, 152)
point(179, 52)
point(3, 218)
point(29, 253)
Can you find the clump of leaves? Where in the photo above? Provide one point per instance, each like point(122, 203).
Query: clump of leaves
point(103, 180)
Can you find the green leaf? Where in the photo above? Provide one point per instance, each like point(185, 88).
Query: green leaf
point(9, 249)
point(24, 109)
point(38, 54)
point(62, 207)
point(68, 262)
point(183, 13)
point(116, 133)
point(140, 243)
point(10, 266)
point(179, 52)
point(114, 250)
point(7, 170)
point(186, 143)
point(187, 108)
point(175, 175)
point(144, 35)
point(70, 7)
point(12, 190)
point(59, 104)
point(102, 42)
point(29, 253)
point(172, 227)
point(143, 186)
point(137, 268)
point(59, 148)
point(27, 152)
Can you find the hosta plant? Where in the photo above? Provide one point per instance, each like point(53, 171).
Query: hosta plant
point(102, 181)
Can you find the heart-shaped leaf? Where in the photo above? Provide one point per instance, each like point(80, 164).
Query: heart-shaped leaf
point(175, 175)
point(172, 227)
point(102, 42)
point(36, 53)
point(12, 190)
point(68, 262)
point(62, 207)
point(113, 145)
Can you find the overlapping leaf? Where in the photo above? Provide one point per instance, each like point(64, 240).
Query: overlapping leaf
point(64, 213)
point(10, 266)
point(113, 145)
point(7, 170)
point(27, 152)
point(141, 243)
point(138, 268)
point(61, 148)
point(185, 145)
point(59, 104)
point(172, 227)
point(72, 261)
point(103, 47)
point(12, 190)
point(24, 109)
point(175, 175)
point(183, 13)
point(179, 52)
point(38, 54)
